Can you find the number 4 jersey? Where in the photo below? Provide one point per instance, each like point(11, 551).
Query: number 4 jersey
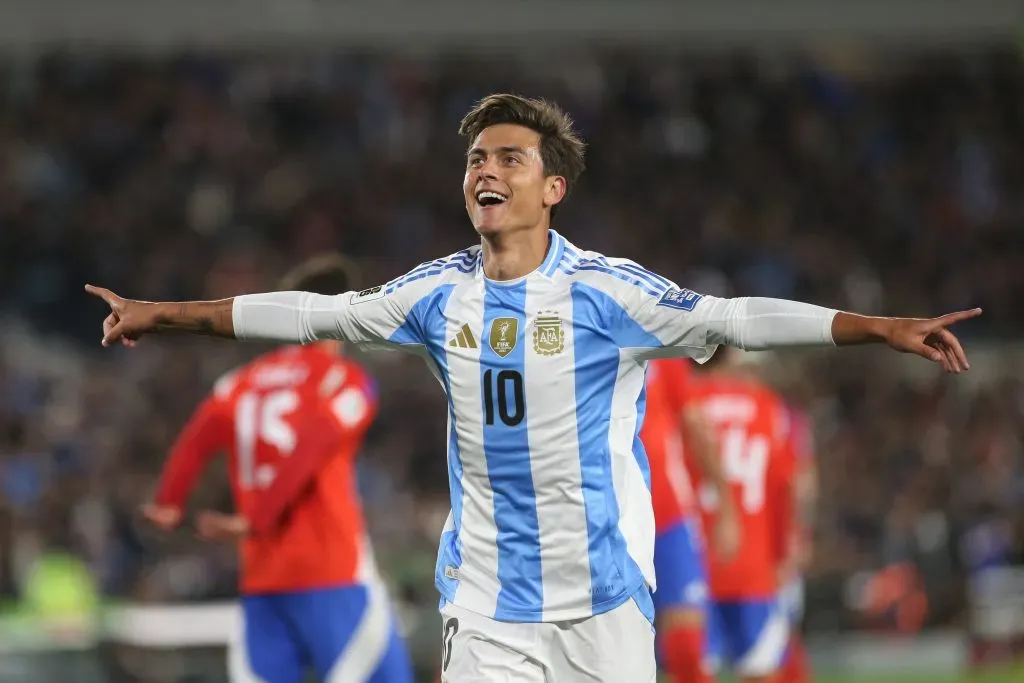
point(291, 423)
point(752, 424)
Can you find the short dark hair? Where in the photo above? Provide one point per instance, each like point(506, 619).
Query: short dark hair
point(324, 274)
point(561, 149)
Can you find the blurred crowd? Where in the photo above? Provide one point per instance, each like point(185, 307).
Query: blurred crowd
point(878, 184)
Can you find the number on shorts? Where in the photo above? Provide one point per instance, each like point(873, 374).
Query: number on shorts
point(451, 627)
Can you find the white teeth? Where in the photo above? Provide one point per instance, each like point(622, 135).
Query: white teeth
point(491, 195)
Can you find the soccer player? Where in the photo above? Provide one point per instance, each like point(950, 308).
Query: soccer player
point(291, 423)
point(546, 564)
point(680, 603)
point(747, 624)
point(796, 667)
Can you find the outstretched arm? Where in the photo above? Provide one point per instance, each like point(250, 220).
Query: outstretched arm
point(373, 316)
point(757, 323)
point(927, 337)
point(203, 435)
point(130, 319)
point(686, 322)
point(276, 316)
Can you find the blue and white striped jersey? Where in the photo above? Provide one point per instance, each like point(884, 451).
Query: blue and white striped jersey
point(551, 509)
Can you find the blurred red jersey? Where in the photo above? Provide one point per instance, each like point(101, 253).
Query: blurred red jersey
point(752, 424)
point(291, 423)
point(671, 491)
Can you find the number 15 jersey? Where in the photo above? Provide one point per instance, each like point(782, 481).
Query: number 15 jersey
point(551, 513)
point(293, 408)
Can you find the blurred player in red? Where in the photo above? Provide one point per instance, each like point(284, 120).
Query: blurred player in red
point(291, 423)
point(747, 624)
point(796, 668)
point(681, 599)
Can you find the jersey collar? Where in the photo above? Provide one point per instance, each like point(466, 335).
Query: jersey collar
point(547, 269)
point(556, 248)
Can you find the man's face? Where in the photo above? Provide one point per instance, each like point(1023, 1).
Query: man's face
point(505, 187)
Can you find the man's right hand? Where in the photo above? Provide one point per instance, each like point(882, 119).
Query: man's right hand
point(128, 319)
point(218, 526)
point(164, 517)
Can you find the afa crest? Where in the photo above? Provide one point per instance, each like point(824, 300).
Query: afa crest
point(548, 335)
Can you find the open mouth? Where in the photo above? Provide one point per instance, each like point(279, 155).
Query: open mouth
point(490, 198)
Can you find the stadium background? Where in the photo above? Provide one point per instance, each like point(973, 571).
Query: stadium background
point(863, 155)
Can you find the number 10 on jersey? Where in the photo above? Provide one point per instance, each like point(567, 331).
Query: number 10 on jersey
point(504, 395)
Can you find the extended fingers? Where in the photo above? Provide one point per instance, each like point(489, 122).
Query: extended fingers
point(102, 292)
point(953, 318)
point(951, 363)
point(949, 340)
point(112, 334)
point(927, 351)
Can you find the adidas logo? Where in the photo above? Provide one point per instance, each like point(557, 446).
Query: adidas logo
point(464, 339)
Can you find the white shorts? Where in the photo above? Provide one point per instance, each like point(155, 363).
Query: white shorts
point(792, 598)
point(614, 647)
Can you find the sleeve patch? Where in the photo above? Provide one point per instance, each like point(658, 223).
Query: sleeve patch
point(350, 407)
point(223, 387)
point(371, 294)
point(680, 299)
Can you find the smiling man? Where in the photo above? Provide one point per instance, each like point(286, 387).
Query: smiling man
point(546, 564)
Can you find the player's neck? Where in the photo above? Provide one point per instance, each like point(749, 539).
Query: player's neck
point(512, 256)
